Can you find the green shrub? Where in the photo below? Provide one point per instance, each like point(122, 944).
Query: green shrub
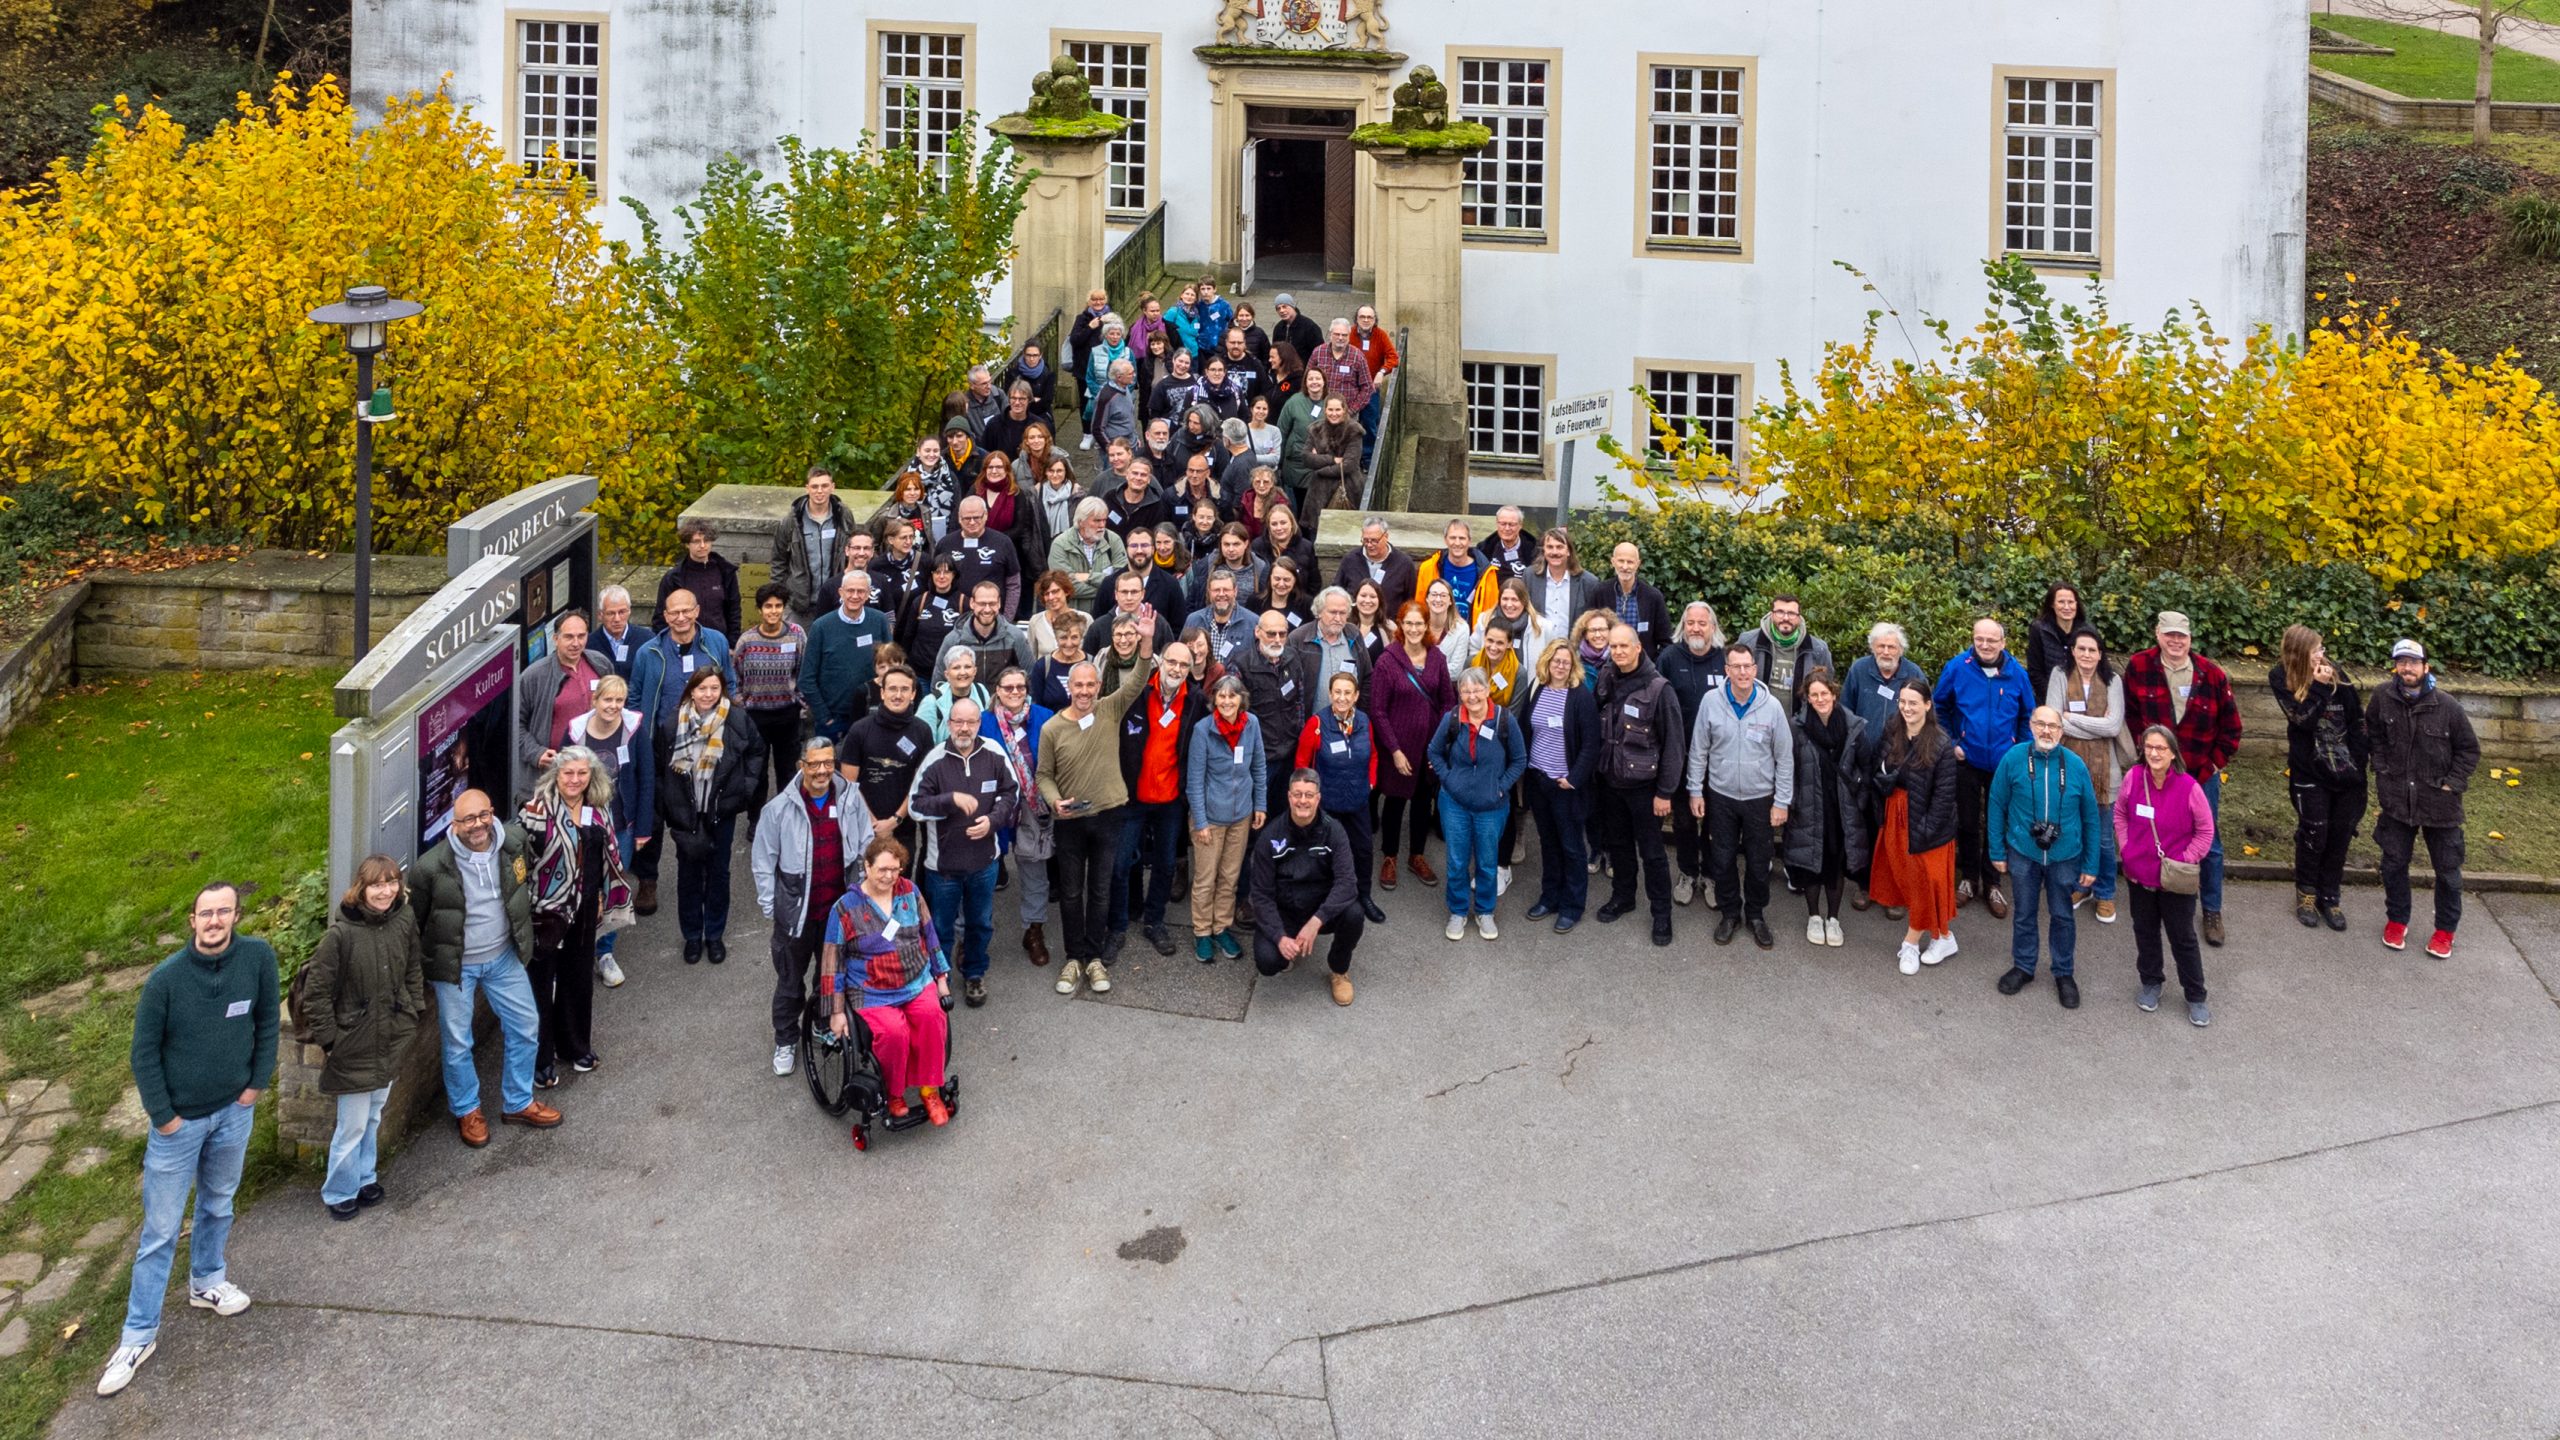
point(2501, 619)
point(2533, 226)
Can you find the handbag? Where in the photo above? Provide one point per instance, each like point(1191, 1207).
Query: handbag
point(2177, 877)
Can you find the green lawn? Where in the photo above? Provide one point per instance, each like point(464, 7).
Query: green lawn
point(2432, 65)
point(2256, 812)
point(116, 802)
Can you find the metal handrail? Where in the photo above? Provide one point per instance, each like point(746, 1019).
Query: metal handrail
point(1136, 261)
point(1378, 486)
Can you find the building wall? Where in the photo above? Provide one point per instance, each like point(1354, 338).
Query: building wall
point(1875, 146)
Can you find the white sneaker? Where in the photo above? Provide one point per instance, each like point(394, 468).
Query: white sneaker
point(783, 1060)
point(1813, 930)
point(1486, 928)
point(1068, 975)
point(1501, 883)
point(1831, 933)
point(1909, 955)
point(1457, 927)
point(1096, 979)
point(1084, 442)
point(1684, 889)
point(122, 1364)
point(608, 971)
point(1939, 949)
point(223, 1299)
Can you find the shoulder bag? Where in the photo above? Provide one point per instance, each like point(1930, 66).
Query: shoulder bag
point(2177, 877)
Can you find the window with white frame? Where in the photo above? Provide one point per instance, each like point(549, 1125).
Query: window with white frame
point(1695, 116)
point(922, 97)
point(1506, 409)
point(1505, 184)
point(1117, 70)
point(2051, 155)
point(560, 95)
point(1698, 405)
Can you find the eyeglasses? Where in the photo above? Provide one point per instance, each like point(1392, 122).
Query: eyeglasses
point(223, 913)
point(483, 818)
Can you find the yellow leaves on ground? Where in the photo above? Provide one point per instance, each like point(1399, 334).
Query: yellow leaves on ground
point(154, 350)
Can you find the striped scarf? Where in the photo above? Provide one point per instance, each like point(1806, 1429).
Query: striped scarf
point(699, 736)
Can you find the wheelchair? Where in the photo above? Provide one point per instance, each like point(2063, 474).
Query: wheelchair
point(844, 1074)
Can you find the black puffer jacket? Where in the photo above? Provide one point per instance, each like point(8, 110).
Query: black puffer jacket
point(367, 996)
point(1932, 789)
point(1814, 802)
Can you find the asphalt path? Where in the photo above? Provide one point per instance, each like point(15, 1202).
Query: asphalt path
point(1547, 1185)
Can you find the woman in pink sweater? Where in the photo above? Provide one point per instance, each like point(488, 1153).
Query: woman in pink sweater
point(2161, 814)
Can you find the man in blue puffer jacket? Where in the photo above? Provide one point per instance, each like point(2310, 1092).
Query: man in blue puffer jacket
point(1983, 699)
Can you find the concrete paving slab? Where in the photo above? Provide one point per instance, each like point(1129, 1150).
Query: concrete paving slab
point(1490, 1121)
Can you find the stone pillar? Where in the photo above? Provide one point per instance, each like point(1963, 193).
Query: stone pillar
point(1058, 242)
point(1419, 283)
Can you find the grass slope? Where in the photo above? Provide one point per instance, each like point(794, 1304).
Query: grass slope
point(2432, 65)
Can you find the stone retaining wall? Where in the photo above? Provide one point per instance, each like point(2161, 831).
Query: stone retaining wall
point(268, 609)
point(305, 1118)
point(2384, 107)
point(42, 662)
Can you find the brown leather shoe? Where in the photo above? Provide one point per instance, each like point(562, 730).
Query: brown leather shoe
point(1996, 900)
point(646, 902)
point(474, 1127)
point(1035, 945)
point(1420, 869)
point(537, 1115)
point(1341, 989)
point(1387, 873)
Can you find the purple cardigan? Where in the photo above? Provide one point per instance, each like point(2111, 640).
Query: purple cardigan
point(1404, 712)
point(2178, 809)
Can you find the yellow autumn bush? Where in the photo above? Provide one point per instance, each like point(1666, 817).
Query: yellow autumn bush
point(155, 355)
point(2055, 425)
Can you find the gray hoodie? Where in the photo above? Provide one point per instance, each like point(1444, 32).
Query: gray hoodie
point(1745, 756)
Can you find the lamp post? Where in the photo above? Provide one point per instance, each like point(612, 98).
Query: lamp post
point(366, 315)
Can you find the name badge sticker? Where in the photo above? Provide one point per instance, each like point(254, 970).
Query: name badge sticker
point(2144, 811)
point(2078, 706)
point(906, 746)
point(1338, 747)
point(986, 787)
point(237, 1009)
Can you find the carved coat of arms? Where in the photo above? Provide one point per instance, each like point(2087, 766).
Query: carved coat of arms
point(1303, 24)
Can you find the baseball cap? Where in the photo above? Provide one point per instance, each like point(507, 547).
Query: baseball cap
point(2174, 622)
point(2406, 649)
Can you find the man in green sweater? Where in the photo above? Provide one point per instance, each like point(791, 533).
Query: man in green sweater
point(204, 1046)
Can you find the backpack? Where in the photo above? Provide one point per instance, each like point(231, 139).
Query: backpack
point(297, 1005)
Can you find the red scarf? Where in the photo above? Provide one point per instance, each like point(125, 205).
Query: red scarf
point(1232, 734)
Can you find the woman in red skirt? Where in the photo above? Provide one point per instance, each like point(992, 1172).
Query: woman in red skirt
point(1915, 863)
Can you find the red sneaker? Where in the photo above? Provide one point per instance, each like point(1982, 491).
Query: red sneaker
point(2440, 944)
point(935, 1110)
point(898, 1107)
point(2395, 936)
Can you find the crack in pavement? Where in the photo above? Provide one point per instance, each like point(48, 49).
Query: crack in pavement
point(1572, 1057)
point(1683, 1267)
point(1463, 1084)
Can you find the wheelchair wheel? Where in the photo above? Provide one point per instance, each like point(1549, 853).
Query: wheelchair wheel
point(828, 1062)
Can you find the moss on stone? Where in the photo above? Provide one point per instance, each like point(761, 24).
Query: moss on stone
point(1463, 137)
point(1098, 125)
point(1227, 54)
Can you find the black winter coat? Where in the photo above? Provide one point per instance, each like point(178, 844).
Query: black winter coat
point(1932, 789)
point(2424, 751)
point(367, 997)
point(1815, 802)
point(733, 784)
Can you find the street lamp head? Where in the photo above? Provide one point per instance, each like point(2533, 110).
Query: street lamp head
point(366, 315)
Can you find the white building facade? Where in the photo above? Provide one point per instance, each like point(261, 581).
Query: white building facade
point(1669, 190)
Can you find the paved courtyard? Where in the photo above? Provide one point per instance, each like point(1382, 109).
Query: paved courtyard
point(1549, 1186)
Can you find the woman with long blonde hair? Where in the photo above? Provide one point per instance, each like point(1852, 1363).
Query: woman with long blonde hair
point(2326, 752)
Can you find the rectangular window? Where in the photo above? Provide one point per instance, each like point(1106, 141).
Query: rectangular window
point(1695, 155)
point(1698, 404)
point(1117, 70)
point(1505, 187)
point(1506, 410)
point(2051, 157)
point(560, 95)
point(923, 94)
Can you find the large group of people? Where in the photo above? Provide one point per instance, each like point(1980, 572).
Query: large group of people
point(1119, 691)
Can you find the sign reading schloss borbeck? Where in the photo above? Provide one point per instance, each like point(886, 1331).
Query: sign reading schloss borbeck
point(470, 606)
point(521, 524)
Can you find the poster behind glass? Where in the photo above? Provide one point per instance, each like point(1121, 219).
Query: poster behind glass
point(463, 745)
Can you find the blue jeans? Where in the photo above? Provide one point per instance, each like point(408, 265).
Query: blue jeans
point(953, 898)
point(1473, 838)
point(510, 995)
point(1148, 839)
point(702, 886)
point(2105, 889)
point(204, 1156)
point(622, 840)
point(2029, 882)
point(2209, 885)
point(351, 1149)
